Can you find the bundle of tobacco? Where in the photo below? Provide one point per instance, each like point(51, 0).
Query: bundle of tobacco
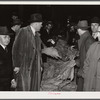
point(66, 52)
point(58, 73)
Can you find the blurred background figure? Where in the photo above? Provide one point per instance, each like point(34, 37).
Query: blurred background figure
point(47, 34)
point(15, 27)
point(16, 24)
point(95, 22)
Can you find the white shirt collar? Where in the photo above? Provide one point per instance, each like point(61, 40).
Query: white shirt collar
point(33, 30)
point(3, 46)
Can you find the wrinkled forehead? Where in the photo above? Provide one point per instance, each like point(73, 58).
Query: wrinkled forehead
point(4, 36)
point(38, 23)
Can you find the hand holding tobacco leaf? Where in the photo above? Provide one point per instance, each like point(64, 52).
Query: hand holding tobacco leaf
point(51, 52)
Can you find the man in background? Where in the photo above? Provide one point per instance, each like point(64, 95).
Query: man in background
point(95, 22)
point(6, 69)
point(83, 44)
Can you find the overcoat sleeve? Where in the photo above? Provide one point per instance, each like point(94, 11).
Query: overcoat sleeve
point(18, 47)
point(88, 42)
point(87, 61)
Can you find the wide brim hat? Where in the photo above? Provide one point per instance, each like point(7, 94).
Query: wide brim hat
point(83, 24)
point(95, 20)
point(37, 17)
point(4, 30)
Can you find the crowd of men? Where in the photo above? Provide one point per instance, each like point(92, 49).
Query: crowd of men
point(22, 48)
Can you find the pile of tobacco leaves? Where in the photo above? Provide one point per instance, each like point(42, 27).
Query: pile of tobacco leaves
point(58, 74)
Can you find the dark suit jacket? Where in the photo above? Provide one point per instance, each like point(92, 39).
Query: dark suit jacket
point(45, 37)
point(6, 69)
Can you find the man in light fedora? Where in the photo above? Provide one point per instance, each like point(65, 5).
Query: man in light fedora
point(83, 44)
point(15, 25)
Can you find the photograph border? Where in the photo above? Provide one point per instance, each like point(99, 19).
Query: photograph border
point(50, 95)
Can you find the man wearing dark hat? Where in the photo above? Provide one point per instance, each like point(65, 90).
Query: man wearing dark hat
point(27, 55)
point(6, 68)
point(15, 27)
point(83, 43)
point(95, 22)
point(16, 24)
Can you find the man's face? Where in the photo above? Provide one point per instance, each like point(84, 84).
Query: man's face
point(4, 39)
point(38, 26)
point(79, 32)
point(94, 27)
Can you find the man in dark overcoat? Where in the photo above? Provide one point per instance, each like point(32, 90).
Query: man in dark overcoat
point(27, 56)
point(83, 43)
point(6, 68)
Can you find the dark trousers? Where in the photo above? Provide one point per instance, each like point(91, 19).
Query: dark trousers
point(80, 83)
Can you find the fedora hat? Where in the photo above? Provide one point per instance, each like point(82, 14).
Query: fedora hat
point(17, 22)
point(5, 31)
point(95, 20)
point(36, 18)
point(82, 25)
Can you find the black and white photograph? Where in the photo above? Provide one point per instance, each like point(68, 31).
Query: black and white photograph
point(50, 47)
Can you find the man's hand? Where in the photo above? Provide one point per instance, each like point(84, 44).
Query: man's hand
point(51, 52)
point(16, 70)
point(13, 83)
point(51, 40)
point(95, 35)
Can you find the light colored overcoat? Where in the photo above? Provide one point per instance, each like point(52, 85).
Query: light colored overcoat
point(91, 68)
